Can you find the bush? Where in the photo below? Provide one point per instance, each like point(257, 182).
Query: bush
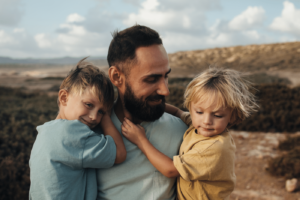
point(20, 113)
point(287, 164)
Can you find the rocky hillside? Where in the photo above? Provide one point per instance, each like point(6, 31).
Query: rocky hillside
point(251, 58)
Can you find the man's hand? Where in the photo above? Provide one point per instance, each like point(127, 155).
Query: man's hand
point(134, 133)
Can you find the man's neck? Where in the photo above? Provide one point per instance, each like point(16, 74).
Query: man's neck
point(121, 112)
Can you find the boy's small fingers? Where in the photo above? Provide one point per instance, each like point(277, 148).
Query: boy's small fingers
point(128, 121)
point(123, 127)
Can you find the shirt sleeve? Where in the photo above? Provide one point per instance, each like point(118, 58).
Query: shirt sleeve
point(200, 163)
point(186, 118)
point(99, 151)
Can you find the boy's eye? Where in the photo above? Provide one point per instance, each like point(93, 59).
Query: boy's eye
point(101, 112)
point(198, 112)
point(89, 105)
point(218, 116)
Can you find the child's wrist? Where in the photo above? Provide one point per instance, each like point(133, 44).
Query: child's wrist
point(141, 142)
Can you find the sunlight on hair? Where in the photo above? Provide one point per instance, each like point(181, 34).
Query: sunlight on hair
point(228, 87)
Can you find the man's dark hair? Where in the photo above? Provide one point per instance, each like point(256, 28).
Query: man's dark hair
point(124, 43)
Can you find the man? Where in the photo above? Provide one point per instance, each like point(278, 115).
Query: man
point(139, 69)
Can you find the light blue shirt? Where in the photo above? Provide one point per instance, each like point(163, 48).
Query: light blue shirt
point(63, 161)
point(136, 178)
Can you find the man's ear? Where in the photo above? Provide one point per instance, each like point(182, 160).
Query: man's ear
point(116, 76)
point(63, 97)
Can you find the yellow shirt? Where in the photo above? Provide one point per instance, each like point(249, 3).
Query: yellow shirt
point(206, 166)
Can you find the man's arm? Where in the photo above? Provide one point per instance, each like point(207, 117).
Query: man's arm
point(173, 110)
point(136, 134)
point(109, 129)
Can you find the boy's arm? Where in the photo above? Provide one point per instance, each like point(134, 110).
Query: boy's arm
point(136, 134)
point(173, 110)
point(109, 129)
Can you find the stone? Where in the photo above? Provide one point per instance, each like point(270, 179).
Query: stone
point(291, 185)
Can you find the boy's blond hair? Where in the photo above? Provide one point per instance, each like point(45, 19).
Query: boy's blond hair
point(87, 75)
point(228, 87)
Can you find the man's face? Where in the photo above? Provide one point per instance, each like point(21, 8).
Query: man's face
point(147, 84)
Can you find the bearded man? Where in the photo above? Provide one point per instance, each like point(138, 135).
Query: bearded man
point(139, 68)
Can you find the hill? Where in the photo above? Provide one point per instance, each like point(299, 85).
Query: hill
point(251, 58)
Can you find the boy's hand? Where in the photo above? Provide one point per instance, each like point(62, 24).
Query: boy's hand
point(134, 133)
point(105, 118)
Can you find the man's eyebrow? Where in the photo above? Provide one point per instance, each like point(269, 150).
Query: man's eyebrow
point(157, 75)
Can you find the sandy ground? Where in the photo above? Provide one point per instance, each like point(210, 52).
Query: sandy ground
point(293, 76)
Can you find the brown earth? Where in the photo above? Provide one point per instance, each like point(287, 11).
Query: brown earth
point(253, 181)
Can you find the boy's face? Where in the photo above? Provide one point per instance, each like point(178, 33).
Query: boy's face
point(209, 121)
point(86, 108)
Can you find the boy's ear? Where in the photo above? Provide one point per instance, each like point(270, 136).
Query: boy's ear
point(63, 97)
point(116, 76)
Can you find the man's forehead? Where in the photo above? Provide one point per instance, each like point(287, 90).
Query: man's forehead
point(151, 60)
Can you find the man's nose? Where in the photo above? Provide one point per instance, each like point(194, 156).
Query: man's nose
point(163, 88)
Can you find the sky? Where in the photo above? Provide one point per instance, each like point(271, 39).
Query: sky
point(79, 28)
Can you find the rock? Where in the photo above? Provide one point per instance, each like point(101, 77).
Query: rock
point(260, 156)
point(291, 185)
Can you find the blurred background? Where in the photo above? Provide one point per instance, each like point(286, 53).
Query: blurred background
point(40, 41)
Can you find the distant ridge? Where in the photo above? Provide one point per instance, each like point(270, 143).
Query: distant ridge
point(53, 61)
point(264, 57)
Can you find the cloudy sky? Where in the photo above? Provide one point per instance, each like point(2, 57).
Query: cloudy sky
point(57, 28)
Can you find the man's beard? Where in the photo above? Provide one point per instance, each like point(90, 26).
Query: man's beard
point(140, 109)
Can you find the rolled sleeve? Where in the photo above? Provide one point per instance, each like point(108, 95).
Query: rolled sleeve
point(192, 166)
point(99, 152)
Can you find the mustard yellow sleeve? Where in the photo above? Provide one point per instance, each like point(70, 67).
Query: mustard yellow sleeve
point(191, 166)
point(186, 118)
point(205, 162)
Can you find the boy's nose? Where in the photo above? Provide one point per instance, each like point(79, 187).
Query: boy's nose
point(93, 116)
point(207, 119)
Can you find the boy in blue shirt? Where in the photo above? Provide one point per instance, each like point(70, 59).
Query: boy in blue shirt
point(67, 151)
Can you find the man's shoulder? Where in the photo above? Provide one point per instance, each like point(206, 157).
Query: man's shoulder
point(170, 122)
point(170, 119)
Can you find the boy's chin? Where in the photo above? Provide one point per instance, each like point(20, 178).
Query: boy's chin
point(206, 133)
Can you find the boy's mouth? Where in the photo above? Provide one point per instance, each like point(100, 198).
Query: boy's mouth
point(207, 129)
point(91, 125)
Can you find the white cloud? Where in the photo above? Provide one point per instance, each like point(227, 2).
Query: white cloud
point(75, 18)
point(288, 21)
point(10, 12)
point(42, 41)
point(175, 15)
point(74, 40)
point(251, 18)
point(5, 38)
